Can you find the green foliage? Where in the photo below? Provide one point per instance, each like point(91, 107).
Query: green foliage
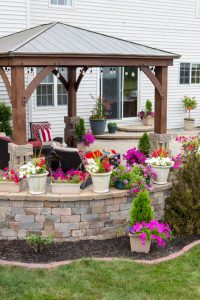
point(189, 104)
point(100, 109)
point(182, 209)
point(141, 208)
point(5, 118)
point(148, 107)
point(80, 129)
point(144, 144)
point(112, 124)
point(38, 242)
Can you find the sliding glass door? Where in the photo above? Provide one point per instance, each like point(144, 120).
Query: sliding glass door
point(119, 89)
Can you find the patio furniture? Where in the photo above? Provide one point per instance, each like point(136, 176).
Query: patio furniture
point(5, 157)
point(41, 131)
point(70, 158)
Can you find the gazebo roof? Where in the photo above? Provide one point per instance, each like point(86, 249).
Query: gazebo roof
point(63, 39)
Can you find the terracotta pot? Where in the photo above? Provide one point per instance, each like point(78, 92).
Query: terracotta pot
point(188, 124)
point(37, 183)
point(101, 182)
point(137, 246)
point(162, 172)
point(65, 188)
point(148, 121)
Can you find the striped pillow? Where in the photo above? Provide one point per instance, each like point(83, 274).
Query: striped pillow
point(45, 134)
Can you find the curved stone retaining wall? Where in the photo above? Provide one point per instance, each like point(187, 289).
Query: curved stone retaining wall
point(71, 218)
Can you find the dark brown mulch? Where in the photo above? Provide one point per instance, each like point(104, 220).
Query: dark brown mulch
point(117, 247)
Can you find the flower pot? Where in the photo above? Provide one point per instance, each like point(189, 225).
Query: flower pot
point(101, 182)
point(162, 172)
point(65, 188)
point(148, 121)
point(3, 134)
point(119, 185)
point(37, 183)
point(111, 129)
point(137, 246)
point(97, 126)
point(12, 187)
point(188, 124)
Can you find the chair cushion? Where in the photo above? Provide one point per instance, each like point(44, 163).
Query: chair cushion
point(45, 134)
point(6, 138)
point(36, 144)
point(35, 127)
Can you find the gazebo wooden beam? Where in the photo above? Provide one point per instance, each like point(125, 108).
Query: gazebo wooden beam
point(62, 79)
point(160, 121)
point(6, 82)
point(18, 105)
point(80, 77)
point(82, 61)
point(72, 105)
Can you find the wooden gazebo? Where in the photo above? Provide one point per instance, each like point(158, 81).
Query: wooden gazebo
point(60, 45)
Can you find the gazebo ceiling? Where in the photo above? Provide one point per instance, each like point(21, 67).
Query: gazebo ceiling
point(59, 39)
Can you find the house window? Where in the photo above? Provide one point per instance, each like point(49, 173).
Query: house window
point(61, 3)
point(51, 92)
point(189, 73)
point(195, 77)
point(184, 73)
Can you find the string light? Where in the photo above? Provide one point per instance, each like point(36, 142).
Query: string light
point(132, 74)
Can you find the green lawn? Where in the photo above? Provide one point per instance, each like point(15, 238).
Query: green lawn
point(91, 280)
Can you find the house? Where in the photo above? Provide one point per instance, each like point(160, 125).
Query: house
point(171, 26)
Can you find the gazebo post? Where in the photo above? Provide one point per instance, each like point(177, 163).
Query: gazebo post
point(19, 151)
point(160, 138)
point(71, 120)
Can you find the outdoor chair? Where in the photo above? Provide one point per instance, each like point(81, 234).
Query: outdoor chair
point(68, 159)
point(41, 131)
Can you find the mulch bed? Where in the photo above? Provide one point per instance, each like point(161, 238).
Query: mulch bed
point(18, 250)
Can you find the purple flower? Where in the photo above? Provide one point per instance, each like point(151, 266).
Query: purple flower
point(88, 138)
point(133, 156)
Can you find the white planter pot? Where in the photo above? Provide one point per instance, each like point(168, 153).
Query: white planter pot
point(12, 187)
point(188, 124)
point(149, 121)
point(37, 183)
point(2, 134)
point(162, 172)
point(65, 188)
point(137, 246)
point(101, 182)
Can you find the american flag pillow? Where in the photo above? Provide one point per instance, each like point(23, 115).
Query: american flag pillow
point(45, 134)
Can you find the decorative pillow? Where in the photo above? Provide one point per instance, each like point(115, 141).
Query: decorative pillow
point(45, 134)
point(35, 127)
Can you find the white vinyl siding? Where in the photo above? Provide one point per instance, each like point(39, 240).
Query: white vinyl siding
point(61, 3)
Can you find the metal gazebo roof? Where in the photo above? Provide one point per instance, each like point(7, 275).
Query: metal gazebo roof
point(62, 39)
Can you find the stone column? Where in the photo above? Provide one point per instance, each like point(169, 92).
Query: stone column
point(19, 154)
point(70, 130)
point(160, 141)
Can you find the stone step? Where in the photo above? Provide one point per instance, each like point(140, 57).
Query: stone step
point(120, 135)
point(135, 128)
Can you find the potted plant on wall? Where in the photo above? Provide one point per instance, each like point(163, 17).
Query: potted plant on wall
point(100, 171)
point(10, 181)
point(189, 104)
point(147, 116)
point(161, 164)
point(36, 173)
point(98, 117)
point(112, 126)
point(68, 183)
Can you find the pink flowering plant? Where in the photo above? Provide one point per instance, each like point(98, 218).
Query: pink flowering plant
point(189, 144)
point(10, 175)
point(134, 156)
point(88, 138)
point(153, 230)
point(134, 178)
point(72, 176)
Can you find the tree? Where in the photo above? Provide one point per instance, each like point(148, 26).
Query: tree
point(144, 144)
point(182, 208)
point(5, 118)
point(141, 208)
point(80, 129)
